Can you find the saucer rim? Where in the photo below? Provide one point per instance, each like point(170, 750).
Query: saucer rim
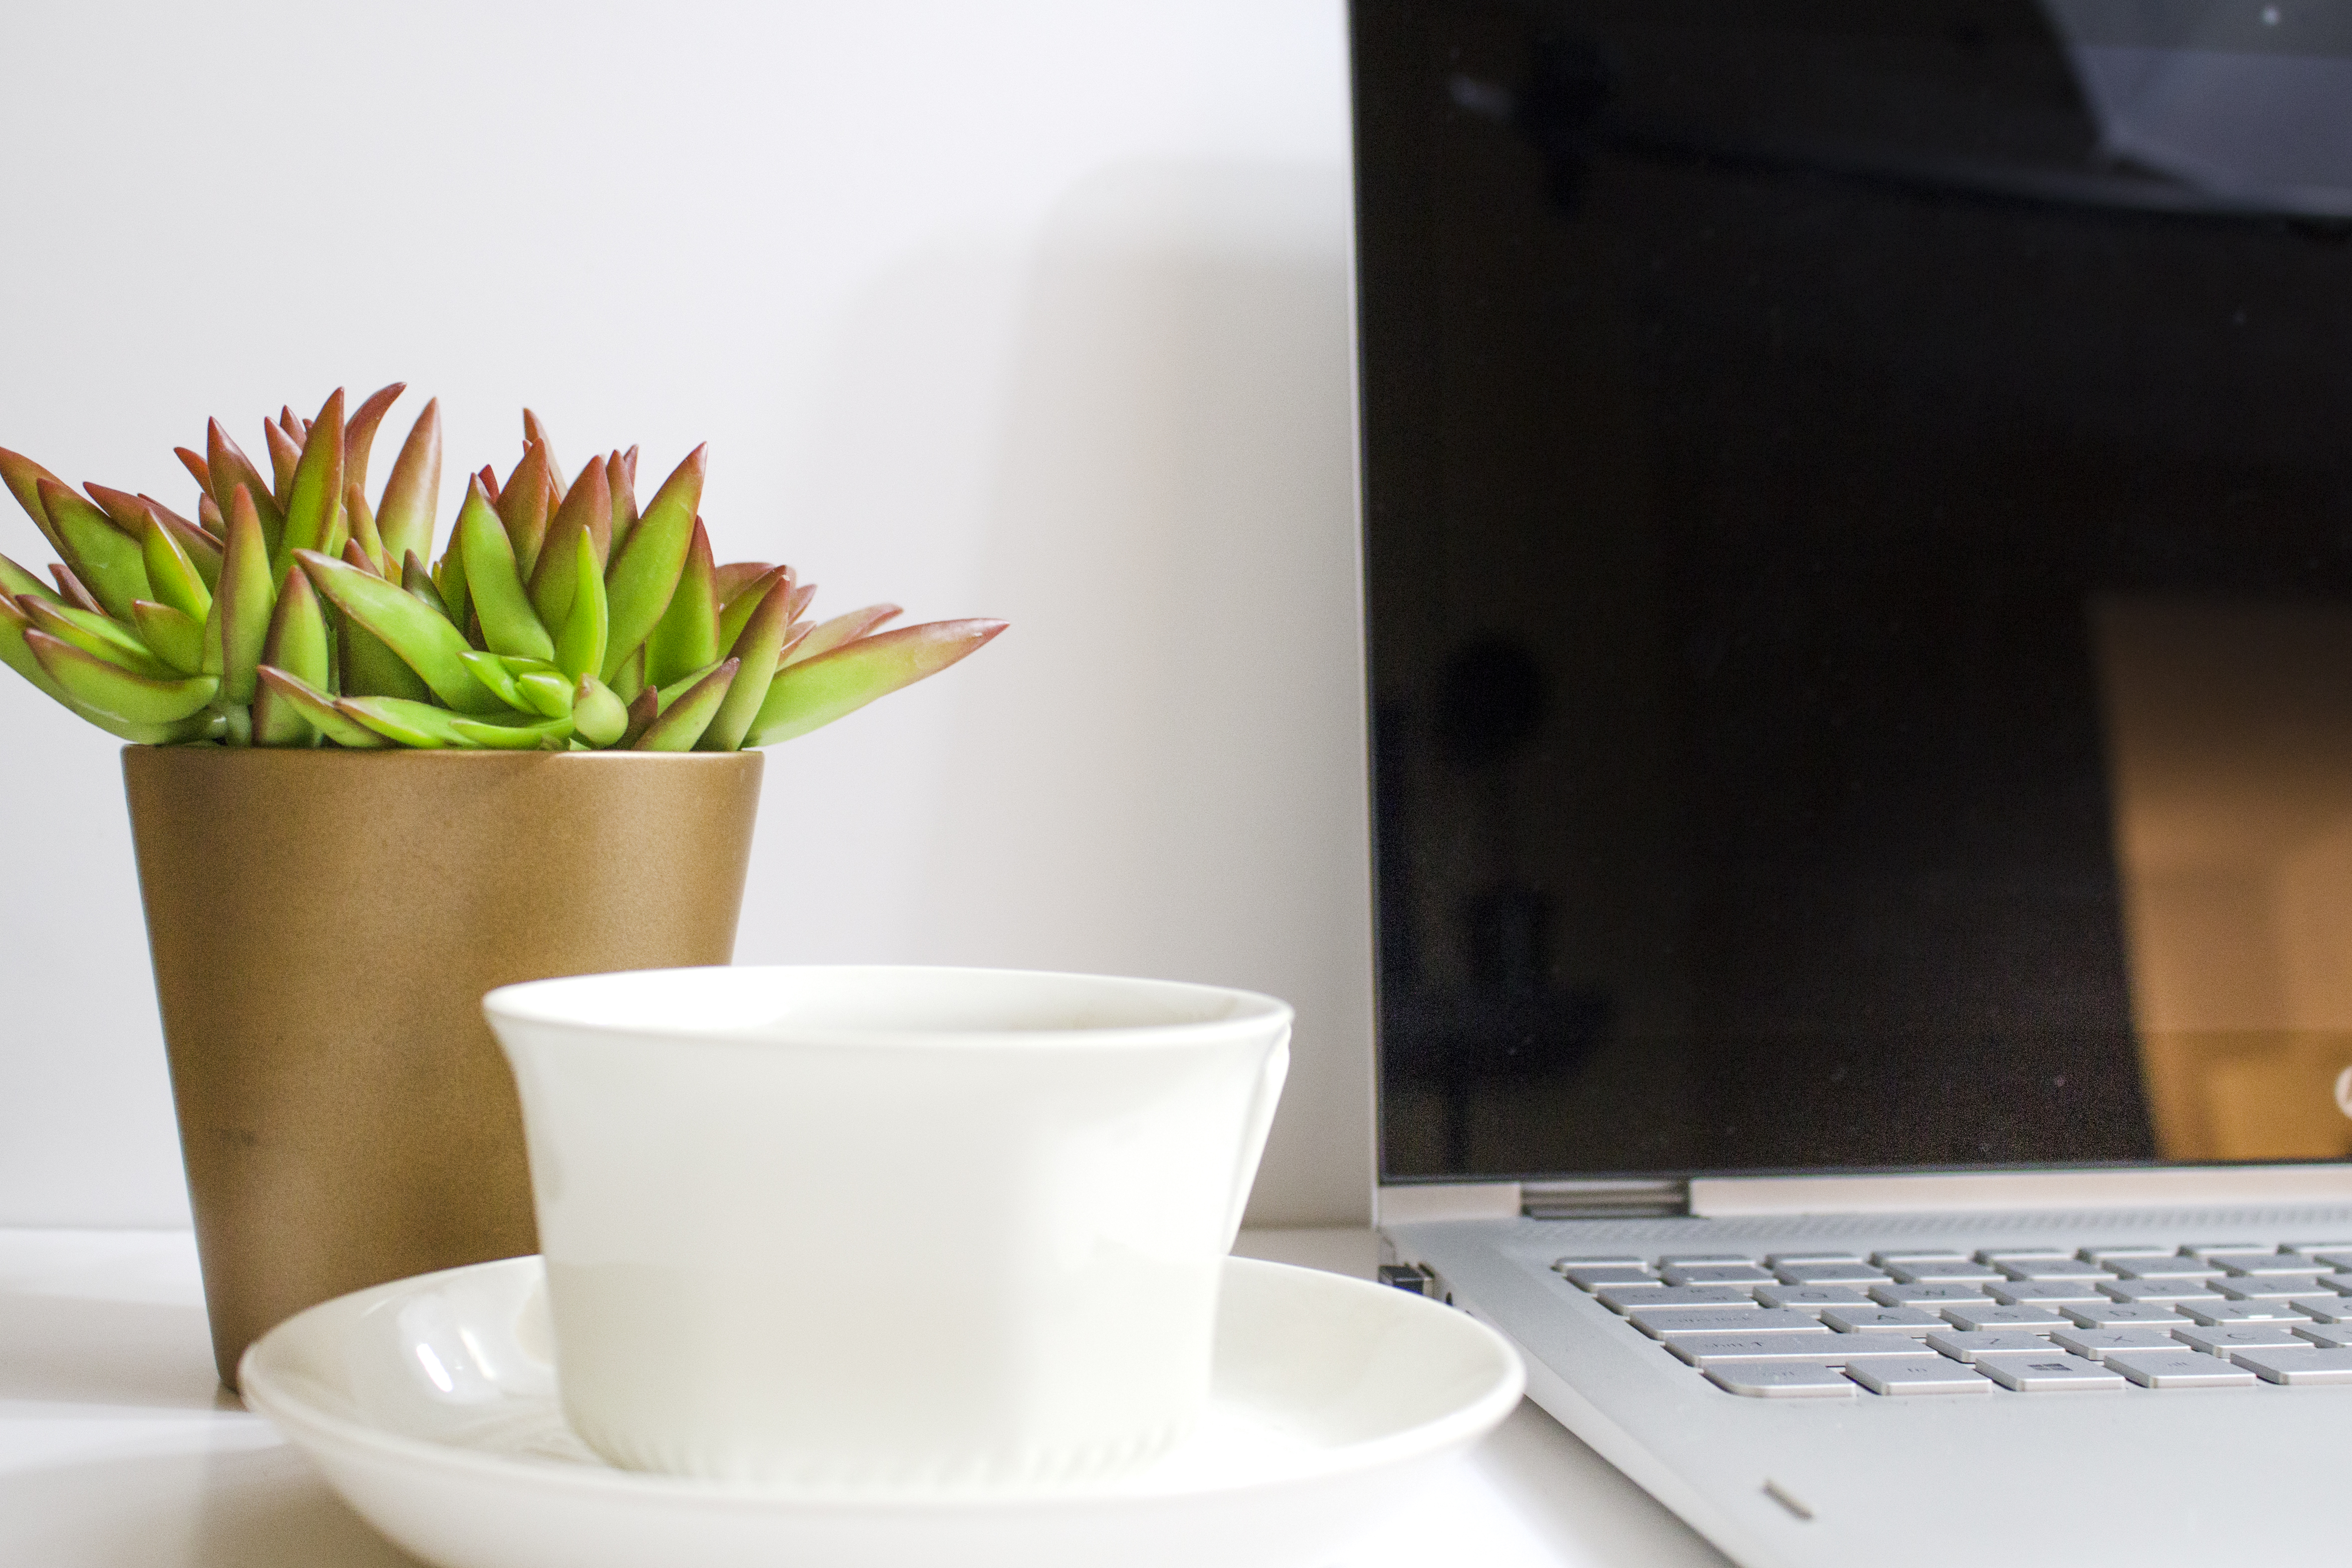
point(268, 1395)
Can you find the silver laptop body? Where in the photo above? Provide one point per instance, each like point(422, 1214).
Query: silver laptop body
point(1859, 568)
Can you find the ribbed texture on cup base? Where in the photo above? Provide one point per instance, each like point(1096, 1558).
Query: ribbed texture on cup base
point(860, 1476)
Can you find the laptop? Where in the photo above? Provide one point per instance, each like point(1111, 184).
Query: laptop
point(1858, 528)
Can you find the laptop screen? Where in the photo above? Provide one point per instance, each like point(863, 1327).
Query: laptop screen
point(1859, 524)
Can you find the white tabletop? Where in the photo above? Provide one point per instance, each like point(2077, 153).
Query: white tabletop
point(118, 1448)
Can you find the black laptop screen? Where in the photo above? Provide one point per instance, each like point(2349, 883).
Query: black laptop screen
point(1859, 520)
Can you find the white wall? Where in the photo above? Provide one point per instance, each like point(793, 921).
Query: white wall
point(1027, 308)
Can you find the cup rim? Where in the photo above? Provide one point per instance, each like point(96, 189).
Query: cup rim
point(531, 1002)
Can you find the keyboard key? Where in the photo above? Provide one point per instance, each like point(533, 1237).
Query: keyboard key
point(2127, 1314)
point(1783, 1259)
point(1713, 1274)
point(2297, 1366)
point(1936, 1271)
point(2324, 1309)
point(2323, 1335)
point(2054, 1269)
point(1789, 1380)
point(2052, 1375)
point(1900, 1320)
point(2159, 1291)
point(2333, 1257)
point(2007, 1318)
point(1917, 1254)
point(2183, 1368)
point(1921, 1295)
point(2167, 1268)
point(1703, 1257)
point(2108, 1256)
point(1825, 1348)
point(1579, 1261)
point(2209, 1250)
point(2049, 1293)
point(2095, 1343)
point(1672, 1323)
point(2002, 1257)
point(1620, 1298)
point(2210, 1314)
point(1813, 1296)
point(1926, 1374)
point(1594, 1277)
point(1963, 1346)
point(2270, 1288)
point(2258, 1262)
point(2230, 1337)
point(1855, 1273)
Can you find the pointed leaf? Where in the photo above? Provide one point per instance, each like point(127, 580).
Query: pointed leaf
point(285, 456)
point(109, 687)
point(542, 735)
point(194, 464)
point(369, 668)
point(688, 636)
point(620, 478)
point(449, 577)
point(534, 430)
point(810, 695)
point(175, 638)
point(172, 576)
point(108, 562)
point(99, 635)
point(19, 657)
point(509, 623)
point(826, 636)
point(682, 722)
point(230, 467)
point(579, 650)
point(427, 644)
point(419, 582)
point(746, 599)
point(642, 712)
point(24, 478)
point(547, 694)
point(318, 710)
point(585, 512)
point(363, 532)
point(122, 509)
point(642, 578)
point(297, 647)
point(522, 507)
point(71, 591)
point(244, 599)
point(763, 639)
point(402, 722)
point(16, 580)
point(315, 499)
point(630, 679)
point(736, 576)
point(405, 516)
point(359, 432)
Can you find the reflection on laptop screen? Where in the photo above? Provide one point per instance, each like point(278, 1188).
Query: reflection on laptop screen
point(1859, 513)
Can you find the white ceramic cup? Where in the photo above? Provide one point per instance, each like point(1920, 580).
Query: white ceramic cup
point(887, 1231)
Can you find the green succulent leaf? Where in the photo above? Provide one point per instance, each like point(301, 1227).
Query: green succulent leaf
point(202, 548)
point(16, 580)
point(620, 478)
point(229, 467)
point(359, 432)
point(682, 721)
point(245, 596)
point(108, 562)
point(285, 456)
point(544, 735)
point(298, 641)
point(645, 572)
point(808, 696)
point(360, 519)
point(99, 635)
point(510, 625)
point(763, 639)
point(826, 636)
point(404, 517)
point(587, 513)
point(170, 574)
point(425, 642)
point(314, 500)
point(164, 702)
point(419, 582)
point(418, 725)
point(579, 650)
point(643, 710)
point(547, 693)
point(319, 710)
point(175, 636)
point(735, 608)
point(24, 477)
point(688, 636)
point(522, 507)
point(601, 717)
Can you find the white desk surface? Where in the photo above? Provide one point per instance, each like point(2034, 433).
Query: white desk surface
point(119, 1450)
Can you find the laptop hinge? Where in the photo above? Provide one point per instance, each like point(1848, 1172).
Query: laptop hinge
point(1621, 1199)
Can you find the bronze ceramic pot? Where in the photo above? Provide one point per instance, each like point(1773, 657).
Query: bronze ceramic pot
point(324, 924)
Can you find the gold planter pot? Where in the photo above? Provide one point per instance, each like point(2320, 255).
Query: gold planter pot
point(324, 924)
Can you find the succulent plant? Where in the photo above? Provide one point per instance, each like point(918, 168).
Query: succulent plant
point(559, 616)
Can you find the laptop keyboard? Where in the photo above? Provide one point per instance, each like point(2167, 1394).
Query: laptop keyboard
point(1900, 1324)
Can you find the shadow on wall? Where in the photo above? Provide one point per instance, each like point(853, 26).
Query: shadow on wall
point(1164, 773)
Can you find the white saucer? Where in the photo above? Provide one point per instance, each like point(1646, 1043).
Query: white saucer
point(430, 1405)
